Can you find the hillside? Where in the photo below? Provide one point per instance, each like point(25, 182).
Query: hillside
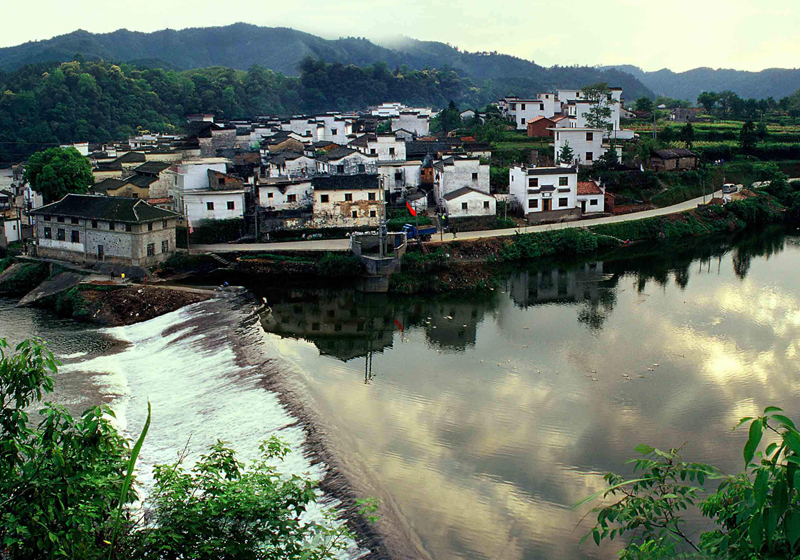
point(772, 82)
point(242, 45)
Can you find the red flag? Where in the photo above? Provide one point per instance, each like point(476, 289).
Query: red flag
point(399, 325)
point(411, 209)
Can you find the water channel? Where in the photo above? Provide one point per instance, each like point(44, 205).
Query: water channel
point(483, 419)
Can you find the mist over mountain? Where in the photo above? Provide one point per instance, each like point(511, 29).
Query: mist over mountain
point(280, 49)
point(772, 82)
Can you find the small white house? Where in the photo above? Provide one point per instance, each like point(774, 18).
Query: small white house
point(417, 122)
point(453, 173)
point(11, 230)
point(468, 114)
point(401, 176)
point(591, 197)
point(207, 204)
point(346, 161)
point(468, 202)
point(544, 193)
point(291, 165)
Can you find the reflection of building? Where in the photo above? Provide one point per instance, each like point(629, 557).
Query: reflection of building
point(456, 323)
point(557, 285)
point(339, 325)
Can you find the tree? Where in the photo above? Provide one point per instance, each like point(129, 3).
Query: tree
point(761, 131)
point(447, 120)
point(756, 513)
point(687, 135)
point(644, 104)
point(566, 154)
point(708, 99)
point(55, 172)
point(63, 484)
point(599, 113)
point(747, 137)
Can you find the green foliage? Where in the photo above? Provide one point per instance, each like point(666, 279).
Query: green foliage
point(70, 303)
point(498, 179)
point(687, 135)
point(644, 104)
point(755, 513)
point(447, 120)
point(747, 137)
point(566, 154)
point(6, 262)
point(218, 231)
point(568, 242)
point(66, 484)
point(424, 263)
point(59, 481)
point(337, 265)
point(402, 216)
point(599, 113)
point(55, 172)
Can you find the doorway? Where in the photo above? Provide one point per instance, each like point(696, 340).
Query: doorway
point(100, 253)
point(547, 204)
point(583, 206)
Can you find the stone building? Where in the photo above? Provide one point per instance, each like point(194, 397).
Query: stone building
point(89, 228)
point(673, 159)
point(346, 200)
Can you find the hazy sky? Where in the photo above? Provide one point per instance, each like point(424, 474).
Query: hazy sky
point(681, 34)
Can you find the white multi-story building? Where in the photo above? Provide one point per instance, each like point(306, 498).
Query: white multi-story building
point(285, 194)
point(192, 176)
point(586, 144)
point(524, 110)
point(414, 121)
point(544, 192)
point(346, 161)
point(453, 173)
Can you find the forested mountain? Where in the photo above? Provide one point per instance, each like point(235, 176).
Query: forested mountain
point(772, 82)
point(241, 45)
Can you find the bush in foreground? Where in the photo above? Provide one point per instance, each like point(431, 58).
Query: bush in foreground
point(64, 488)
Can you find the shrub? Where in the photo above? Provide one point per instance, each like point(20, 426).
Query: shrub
point(336, 265)
point(568, 242)
point(25, 278)
point(218, 231)
point(71, 304)
point(422, 263)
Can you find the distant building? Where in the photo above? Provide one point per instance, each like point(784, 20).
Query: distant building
point(590, 197)
point(346, 200)
point(673, 159)
point(468, 202)
point(586, 144)
point(684, 115)
point(86, 228)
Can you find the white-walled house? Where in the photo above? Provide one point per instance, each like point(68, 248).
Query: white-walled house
point(521, 111)
point(346, 161)
point(455, 172)
point(346, 200)
point(586, 143)
point(591, 197)
point(207, 204)
point(402, 176)
point(414, 121)
point(544, 193)
point(291, 165)
point(468, 202)
point(286, 194)
point(387, 147)
point(192, 175)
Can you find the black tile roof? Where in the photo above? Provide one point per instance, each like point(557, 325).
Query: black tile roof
point(673, 153)
point(105, 185)
point(108, 208)
point(131, 157)
point(551, 170)
point(338, 153)
point(143, 181)
point(345, 182)
point(152, 167)
point(462, 191)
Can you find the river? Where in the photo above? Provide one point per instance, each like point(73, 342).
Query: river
point(478, 421)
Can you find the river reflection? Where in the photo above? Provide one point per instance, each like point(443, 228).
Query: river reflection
point(485, 419)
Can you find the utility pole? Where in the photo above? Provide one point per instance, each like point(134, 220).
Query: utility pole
point(381, 218)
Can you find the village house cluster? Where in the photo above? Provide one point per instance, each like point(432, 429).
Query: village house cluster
point(314, 171)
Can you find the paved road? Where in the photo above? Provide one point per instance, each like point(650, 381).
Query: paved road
point(344, 244)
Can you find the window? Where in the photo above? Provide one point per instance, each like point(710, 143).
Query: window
point(269, 195)
point(474, 176)
point(163, 224)
point(74, 220)
point(562, 202)
point(354, 214)
point(340, 169)
point(314, 326)
point(371, 196)
point(348, 197)
point(128, 227)
point(47, 218)
point(61, 235)
point(333, 131)
point(209, 205)
point(541, 106)
point(464, 206)
point(589, 156)
point(48, 233)
point(292, 197)
point(593, 202)
point(112, 226)
point(486, 204)
point(94, 224)
point(533, 203)
point(522, 120)
point(563, 181)
point(372, 151)
point(231, 205)
point(361, 168)
point(323, 198)
point(150, 226)
point(165, 246)
point(391, 151)
point(75, 236)
point(373, 214)
point(522, 106)
point(151, 249)
point(61, 219)
point(533, 182)
point(589, 136)
point(513, 106)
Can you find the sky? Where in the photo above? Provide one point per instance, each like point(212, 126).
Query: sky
point(680, 35)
